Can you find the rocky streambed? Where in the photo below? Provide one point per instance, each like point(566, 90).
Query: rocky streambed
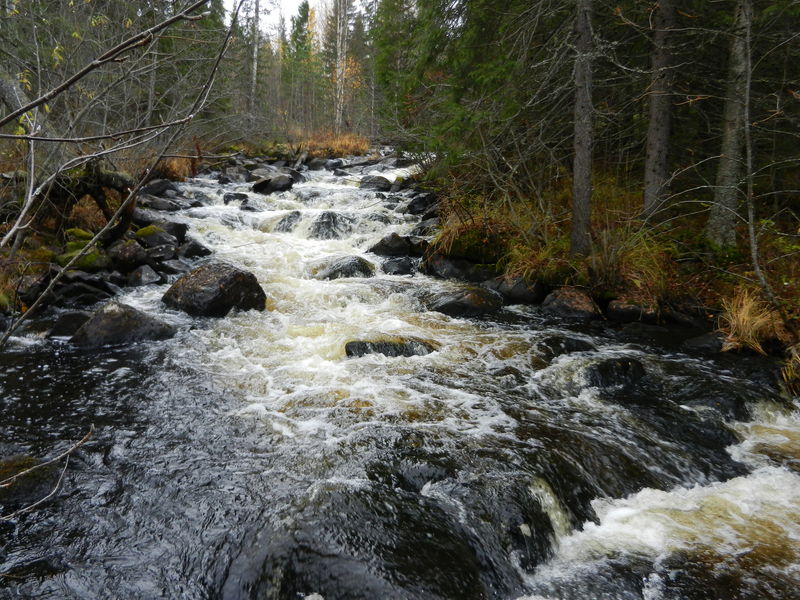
point(293, 396)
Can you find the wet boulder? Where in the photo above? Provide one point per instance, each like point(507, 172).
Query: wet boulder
point(288, 222)
point(375, 182)
point(126, 255)
point(144, 275)
point(426, 227)
point(236, 174)
point(390, 346)
point(271, 185)
point(615, 373)
point(571, 303)
point(79, 294)
point(193, 249)
point(263, 172)
point(446, 267)
point(213, 289)
point(157, 203)
point(400, 265)
point(517, 290)
point(158, 187)
point(317, 164)
point(421, 203)
point(392, 245)
point(297, 176)
point(153, 235)
point(174, 266)
point(625, 311)
point(343, 266)
point(708, 343)
point(468, 302)
point(162, 252)
point(117, 323)
point(330, 226)
point(234, 197)
point(68, 323)
point(553, 346)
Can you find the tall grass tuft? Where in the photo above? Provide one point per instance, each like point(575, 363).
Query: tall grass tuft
point(747, 321)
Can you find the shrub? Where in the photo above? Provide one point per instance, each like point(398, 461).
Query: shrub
point(747, 321)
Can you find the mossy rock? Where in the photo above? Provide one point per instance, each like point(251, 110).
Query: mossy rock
point(76, 233)
point(76, 245)
point(6, 303)
point(91, 261)
point(145, 232)
point(28, 488)
point(42, 255)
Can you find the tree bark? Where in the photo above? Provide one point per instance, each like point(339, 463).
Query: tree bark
point(656, 170)
point(721, 226)
point(254, 60)
point(584, 132)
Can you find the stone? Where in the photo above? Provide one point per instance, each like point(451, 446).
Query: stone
point(468, 302)
point(571, 303)
point(343, 266)
point(375, 182)
point(401, 265)
point(615, 372)
point(330, 226)
point(117, 323)
point(235, 174)
point(445, 267)
point(126, 255)
point(193, 249)
point(270, 185)
point(156, 203)
point(555, 345)
point(421, 203)
point(80, 294)
point(708, 343)
point(317, 164)
point(214, 289)
point(390, 346)
point(517, 290)
point(234, 197)
point(334, 163)
point(426, 227)
point(624, 311)
point(163, 252)
point(174, 266)
point(418, 246)
point(68, 323)
point(391, 245)
point(144, 275)
point(152, 236)
point(288, 222)
point(263, 172)
point(297, 176)
point(93, 260)
point(158, 187)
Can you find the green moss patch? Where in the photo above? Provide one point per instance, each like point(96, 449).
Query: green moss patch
point(148, 231)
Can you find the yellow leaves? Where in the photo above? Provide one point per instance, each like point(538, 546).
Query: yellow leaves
point(128, 23)
point(57, 55)
point(98, 20)
point(24, 80)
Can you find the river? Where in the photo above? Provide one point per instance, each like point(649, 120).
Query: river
point(249, 457)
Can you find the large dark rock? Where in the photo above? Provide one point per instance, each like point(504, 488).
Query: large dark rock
point(153, 235)
point(330, 226)
point(392, 245)
point(212, 290)
point(571, 303)
point(468, 302)
point(117, 323)
point(375, 182)
point(144, 275)
point(158, 187)
point(79, 294)
point(156, 203)
point(421, 203)
point(399, 265)
point(68, 323)
point(317, 164)
point(162, 252)
point(126, 255)
point(193, 249)
point(708, 343)
point(288, 222)
point(390, 346)
point(343, 266)
point(553, 346)
point(262, 172)
point(517, 290)
point(297, 176)
point(175, 229)
point(624, 311)
point(234, 197)
point(426, 227)
point(445, 267)
point(615, 372)
point(235, 174)
point(270, 185)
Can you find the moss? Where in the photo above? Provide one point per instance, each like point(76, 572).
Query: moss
point(42, 255)
point(76, 233)
point(148, 231)
point(92, 261)
point(6, 304)
point(75, 245)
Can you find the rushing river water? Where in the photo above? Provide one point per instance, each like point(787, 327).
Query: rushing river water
point(249, 457)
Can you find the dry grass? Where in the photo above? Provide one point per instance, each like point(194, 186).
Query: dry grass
point(326, 144)
point(86, 215)
point(747, 321)
point(791, 370)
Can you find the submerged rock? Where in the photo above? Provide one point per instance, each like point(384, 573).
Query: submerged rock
point(288, 222)
point(192, 249)
point(393, 346)
point(556, 345)
point(615, 372)
point(571, 303)
point(468, 302)
point(117, 323)
point(270, 185)
point(68, 323)
point(375, 182)
point(401, 265)
point(212, 290)
point(343, 266)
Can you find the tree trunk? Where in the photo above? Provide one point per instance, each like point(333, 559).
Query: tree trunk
point(721, 226)
point(584, 132)
point(254, 61)
point(656, 170)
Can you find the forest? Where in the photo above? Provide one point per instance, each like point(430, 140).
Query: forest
point(447, 299)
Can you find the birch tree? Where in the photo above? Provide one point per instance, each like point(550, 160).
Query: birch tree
point(583, 132)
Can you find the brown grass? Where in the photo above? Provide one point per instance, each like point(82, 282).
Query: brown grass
point(328, 145)
point(791, 370)
point(747, 321)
